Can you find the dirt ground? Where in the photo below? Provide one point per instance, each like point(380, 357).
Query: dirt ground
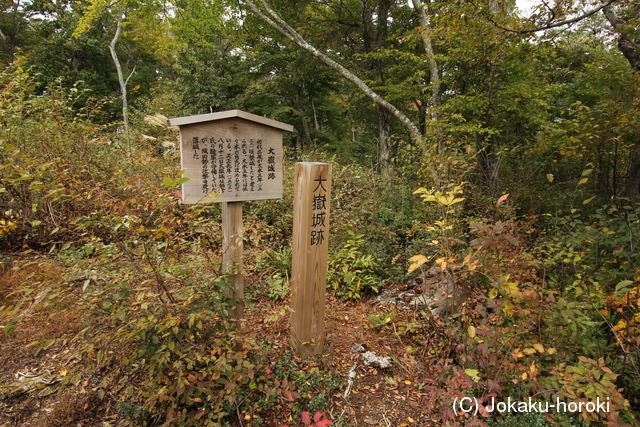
point(386, 397)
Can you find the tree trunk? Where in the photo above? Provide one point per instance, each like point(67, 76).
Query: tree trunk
point(387, 147)
point(305, 123)
point(436, 95)
point(121, 80)
point(488, 165)
point(632, 184)
point(629, 46)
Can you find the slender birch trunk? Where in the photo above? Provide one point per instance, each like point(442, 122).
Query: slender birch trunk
point(121, 80)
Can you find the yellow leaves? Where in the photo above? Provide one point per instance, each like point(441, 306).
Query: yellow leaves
point(584, 175)
point(421, 190)
point(550, 177)
point(448, 198)
point(516, 354)
point(473, 373)
point(442, 262)
point(529, 351)
point(622, 324)
point(418, 261)
point(471, 331)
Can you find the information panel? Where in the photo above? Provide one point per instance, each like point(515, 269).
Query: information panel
point(230, 159)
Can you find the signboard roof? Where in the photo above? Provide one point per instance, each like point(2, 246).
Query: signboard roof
point(188, 120)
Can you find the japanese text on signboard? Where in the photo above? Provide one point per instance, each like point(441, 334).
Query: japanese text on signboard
point(234, 165)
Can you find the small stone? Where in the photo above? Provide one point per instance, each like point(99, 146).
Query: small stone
point(372, 359)
point(358, 348)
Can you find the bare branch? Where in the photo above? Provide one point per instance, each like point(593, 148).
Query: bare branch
point(549, 25)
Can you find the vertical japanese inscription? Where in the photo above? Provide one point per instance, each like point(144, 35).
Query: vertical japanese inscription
point(221, 175)
point(259, 159)
point(205, 165)
point(319, 212)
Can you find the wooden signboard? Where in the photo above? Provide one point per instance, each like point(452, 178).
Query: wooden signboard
point(230, 156)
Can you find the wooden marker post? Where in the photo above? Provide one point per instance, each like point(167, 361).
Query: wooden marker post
point(312, 195)
point(232, 257)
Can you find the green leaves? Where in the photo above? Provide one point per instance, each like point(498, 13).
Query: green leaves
point(351, 273)
point(171, 183)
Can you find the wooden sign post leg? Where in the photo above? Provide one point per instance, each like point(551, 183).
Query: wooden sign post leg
point(232, 257)
point(312, 194)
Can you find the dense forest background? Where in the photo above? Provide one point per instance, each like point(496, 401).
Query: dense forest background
point(498, 144)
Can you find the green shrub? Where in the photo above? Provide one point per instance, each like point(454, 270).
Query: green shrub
point(351, 272)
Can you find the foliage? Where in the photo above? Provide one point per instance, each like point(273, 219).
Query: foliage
point(351, 272)
point(57, 165)
point(443, 228)
point(601, 246)
point(539, 233)
point(276, 265)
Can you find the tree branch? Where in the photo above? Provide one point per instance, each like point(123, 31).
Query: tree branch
point(549, 26)
point(274, 20)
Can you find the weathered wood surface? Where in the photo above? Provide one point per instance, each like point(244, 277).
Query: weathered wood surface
point(230, 160)
point(312, 196)
point(233, 257)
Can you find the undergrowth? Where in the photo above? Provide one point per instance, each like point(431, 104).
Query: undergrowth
point(551, 315)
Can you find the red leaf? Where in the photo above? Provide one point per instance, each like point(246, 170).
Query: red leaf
point(324, 423)
point(317, 417)
point(306, 419)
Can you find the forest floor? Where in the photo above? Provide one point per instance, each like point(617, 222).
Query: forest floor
point(394, 396)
